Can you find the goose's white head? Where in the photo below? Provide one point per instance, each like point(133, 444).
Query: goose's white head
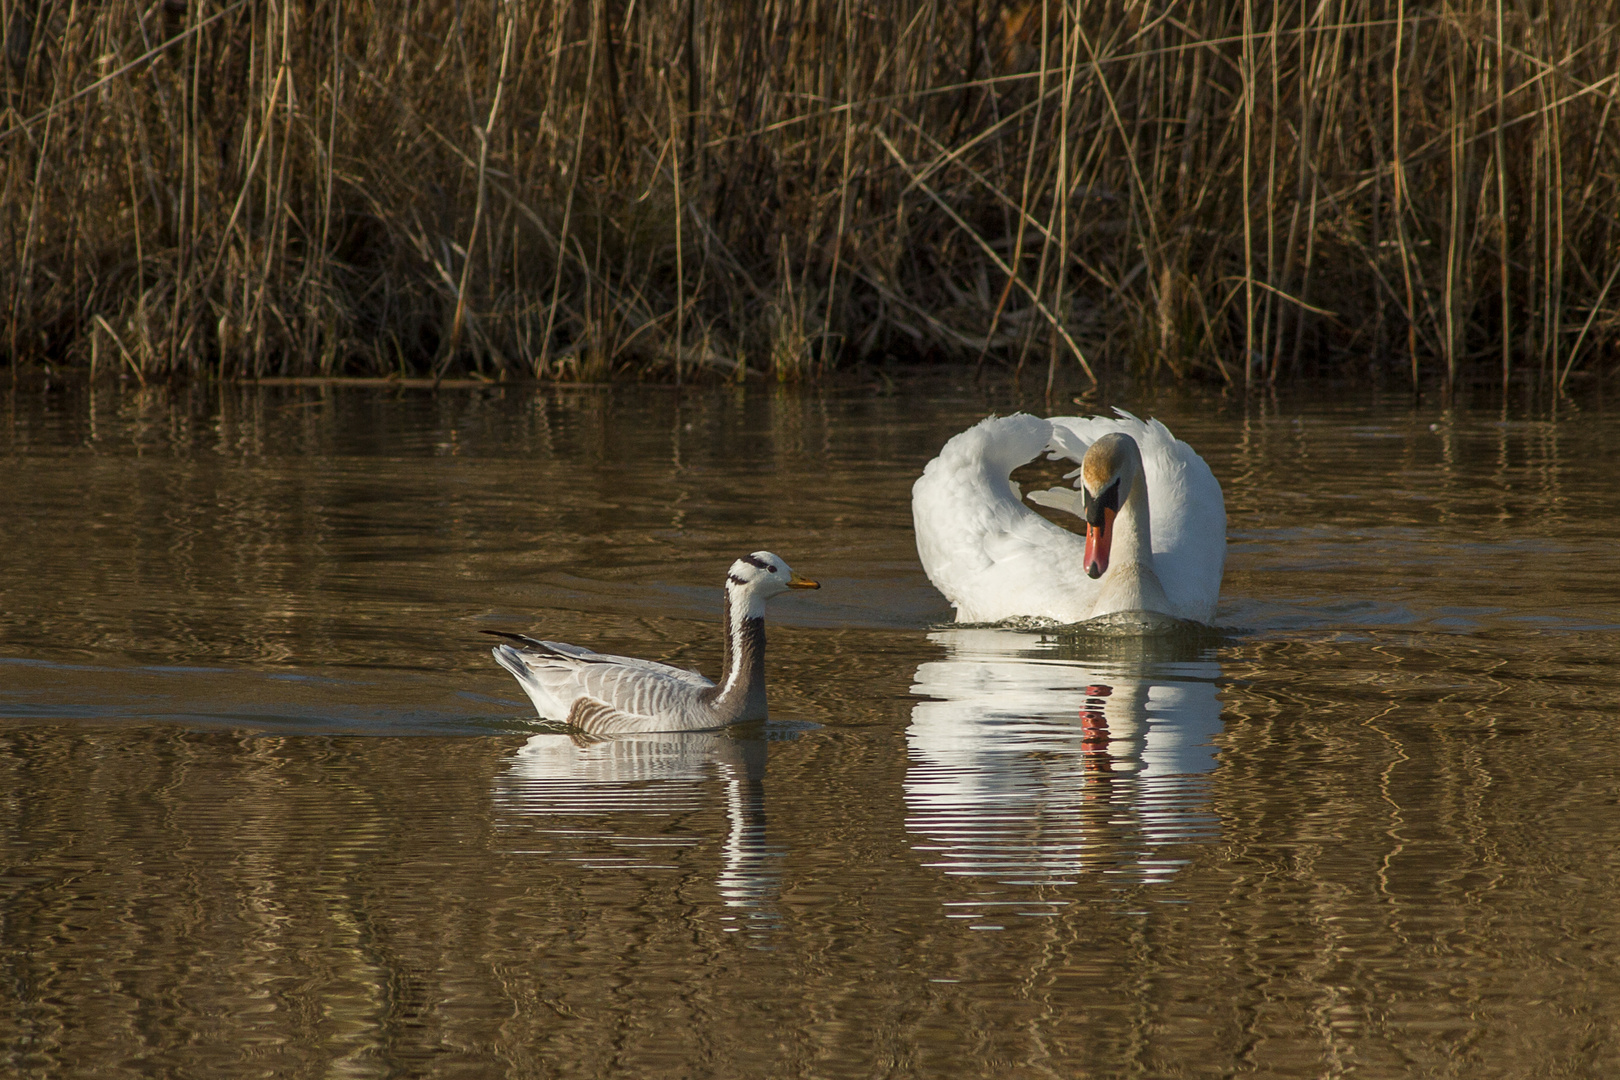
point(1109, 473)
point(764, 575)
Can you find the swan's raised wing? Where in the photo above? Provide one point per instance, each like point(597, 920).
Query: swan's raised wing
point(992, 556)
point(1064, 499)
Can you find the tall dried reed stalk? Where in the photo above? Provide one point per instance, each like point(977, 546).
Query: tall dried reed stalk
point(1216, 188)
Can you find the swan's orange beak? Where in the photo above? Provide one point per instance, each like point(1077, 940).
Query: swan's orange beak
point(1098, 540)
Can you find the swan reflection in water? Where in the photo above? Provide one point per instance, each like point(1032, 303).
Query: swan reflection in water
point(598, 781)
point(1038, 759)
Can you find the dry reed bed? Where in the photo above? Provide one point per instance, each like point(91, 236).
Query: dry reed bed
point(1215, 187)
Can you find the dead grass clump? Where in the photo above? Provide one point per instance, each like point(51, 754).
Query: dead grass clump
point(1208, 189)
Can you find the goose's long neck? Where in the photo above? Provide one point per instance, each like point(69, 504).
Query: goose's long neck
point(740, 694)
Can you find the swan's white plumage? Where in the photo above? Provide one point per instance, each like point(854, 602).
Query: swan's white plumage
point(994, 558)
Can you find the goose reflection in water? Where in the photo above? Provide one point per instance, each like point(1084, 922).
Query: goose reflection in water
point(1038, 759)
point(597, 781)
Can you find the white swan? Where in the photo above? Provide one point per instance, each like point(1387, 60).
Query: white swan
point(1155, 522)
point(611, 695)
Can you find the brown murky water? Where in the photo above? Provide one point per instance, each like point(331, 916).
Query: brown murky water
point(269, 808)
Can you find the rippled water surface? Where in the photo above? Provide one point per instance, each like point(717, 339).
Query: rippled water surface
point(268, 808)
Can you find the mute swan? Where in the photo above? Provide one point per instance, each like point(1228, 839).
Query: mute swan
point(611, 695)
point(1154, 517)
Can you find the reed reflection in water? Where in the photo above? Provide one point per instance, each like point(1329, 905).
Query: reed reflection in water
point(1038, 759)
point(653, 774)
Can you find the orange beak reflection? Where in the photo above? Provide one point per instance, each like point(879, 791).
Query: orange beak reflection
point(1098, 539)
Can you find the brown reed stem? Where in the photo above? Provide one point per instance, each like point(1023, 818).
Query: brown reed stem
point(1111, 179)
point(1503, 265)
point(460, 319)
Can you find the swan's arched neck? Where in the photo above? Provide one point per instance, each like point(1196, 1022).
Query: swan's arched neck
point(1130, 582)
point(1133, 525)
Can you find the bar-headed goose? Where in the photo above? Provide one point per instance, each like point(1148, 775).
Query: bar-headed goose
point(609, 695)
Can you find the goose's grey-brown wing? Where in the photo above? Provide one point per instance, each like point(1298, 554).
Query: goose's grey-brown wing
point(639, 695)
point(607, 694)
point(549, 653)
